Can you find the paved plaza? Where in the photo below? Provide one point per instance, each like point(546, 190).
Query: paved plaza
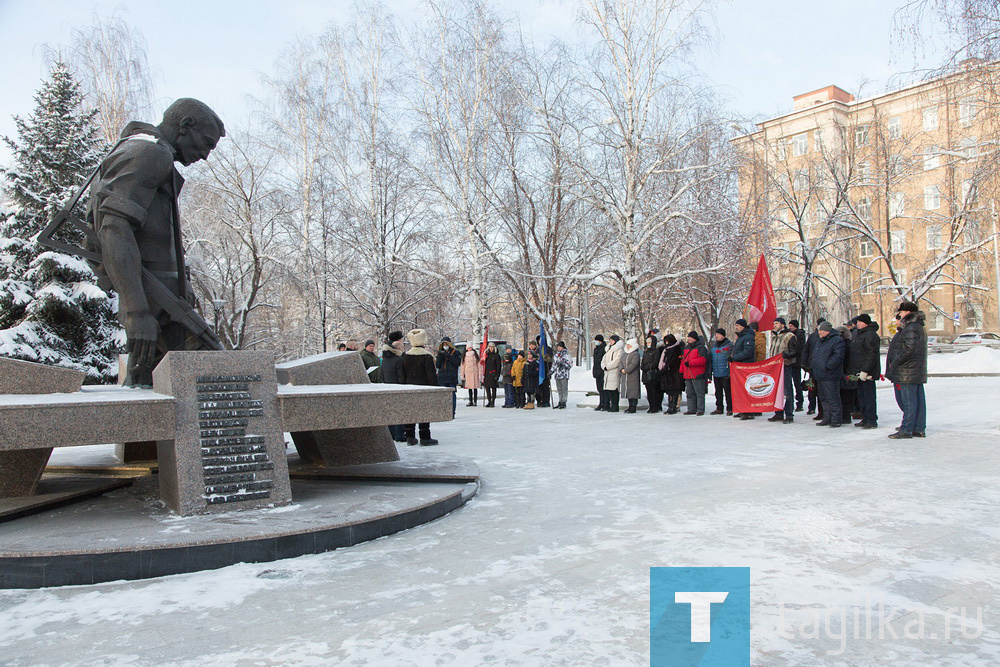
point(844, 531)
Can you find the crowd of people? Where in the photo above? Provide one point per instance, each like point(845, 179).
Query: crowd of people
point(841, 366)
point(829, 373)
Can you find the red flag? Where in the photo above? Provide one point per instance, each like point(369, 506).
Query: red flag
point(761, 305)
point(758, 387)
point(483, 345)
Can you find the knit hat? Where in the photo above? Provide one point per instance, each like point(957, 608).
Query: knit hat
point(417, 337)
point(793, 323)
point(864, 317)
point(780, 320)
point(825, 326)
point(369, 342)
point(720, 330)
point(446, 339)
point(693, 334)
point(755, 326)
point(599, 337)
point(561, 344)
point(819, 321)
point(742, 322)
point(394, 336)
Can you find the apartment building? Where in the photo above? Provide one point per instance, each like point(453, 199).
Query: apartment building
point(890, 197)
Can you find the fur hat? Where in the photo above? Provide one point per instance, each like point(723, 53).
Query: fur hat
point(394, 336)
point(864, 317)
point(825, 326)
point(446, 339)
point(417, 337)
point(908, 306)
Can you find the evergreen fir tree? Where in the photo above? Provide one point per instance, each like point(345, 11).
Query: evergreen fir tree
point(51, 309)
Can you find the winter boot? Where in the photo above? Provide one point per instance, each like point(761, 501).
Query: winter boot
point(632, 404)
point(428, 442)
point(529, 406)
point(475, 397)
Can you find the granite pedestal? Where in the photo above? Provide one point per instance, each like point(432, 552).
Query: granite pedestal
point(23, 468)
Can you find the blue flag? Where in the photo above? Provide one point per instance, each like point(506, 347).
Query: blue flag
point(541, 352)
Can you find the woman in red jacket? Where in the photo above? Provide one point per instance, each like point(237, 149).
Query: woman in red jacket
point(694, 370)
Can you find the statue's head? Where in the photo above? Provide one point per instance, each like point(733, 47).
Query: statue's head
point(192, 128)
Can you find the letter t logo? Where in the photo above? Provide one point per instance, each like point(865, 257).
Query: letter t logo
point(701, 611)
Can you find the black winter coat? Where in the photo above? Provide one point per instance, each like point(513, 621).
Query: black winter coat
point(530, 377)
point(599, 351)
point(743, 351)
point(828, 357)
point(448, 363)
point(670, 377)
point(800, 338)
point(807, 351)
point(494, 365)
point(392, 363)
point(648, 365)
point(865, 353)
point(907, 360)
point(418, 368)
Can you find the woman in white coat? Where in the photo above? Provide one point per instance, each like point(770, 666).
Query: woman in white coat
point(612, 363)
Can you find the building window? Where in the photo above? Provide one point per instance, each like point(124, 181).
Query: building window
point(864, 173)
point(932, 198)
point(801, 181)
point(867, 284)
point(867, 248)
point(975, 316)
point(931, 158)
point(973, 230)
point(973, 273)
point(966, 112)
point(779, 149)
point(864, 208)
point(895, 126)
point(896, 164)
point(933, 237)
point(800, 144)
point(901, 278)
point(968, 192)
point(861, 135)
point(930, 119)
point(897, 241)
point(897, 205)
point(967, 147)
point(817, 140)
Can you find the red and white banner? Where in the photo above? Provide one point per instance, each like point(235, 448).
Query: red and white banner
point(758, 387)
point(761, 306)
point(483, 346)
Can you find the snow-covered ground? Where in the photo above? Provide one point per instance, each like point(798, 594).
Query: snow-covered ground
point(549, 565)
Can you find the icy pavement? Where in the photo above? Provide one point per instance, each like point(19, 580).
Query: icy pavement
point(549, 565)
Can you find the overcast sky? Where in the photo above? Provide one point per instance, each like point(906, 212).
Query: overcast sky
point(766, 51)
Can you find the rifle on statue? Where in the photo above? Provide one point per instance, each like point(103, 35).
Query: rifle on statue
point(178, 309)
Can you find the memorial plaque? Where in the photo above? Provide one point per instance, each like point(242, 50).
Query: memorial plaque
point(229, 452)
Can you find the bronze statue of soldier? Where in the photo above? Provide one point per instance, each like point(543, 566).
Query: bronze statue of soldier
point(133, 212)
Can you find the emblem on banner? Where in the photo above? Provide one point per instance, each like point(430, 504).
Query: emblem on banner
point(759, 385)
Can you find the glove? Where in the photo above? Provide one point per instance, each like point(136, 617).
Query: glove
point(864, 376)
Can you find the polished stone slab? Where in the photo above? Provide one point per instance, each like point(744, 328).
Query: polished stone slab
point(55, 491)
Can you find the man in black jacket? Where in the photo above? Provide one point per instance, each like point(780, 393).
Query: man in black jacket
point(449, 360)
point(795, 369)
point(599, 349)
point(906, 367)
point(743, 352)
point(807, 353)
point(866, 363)
point(392, 366)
